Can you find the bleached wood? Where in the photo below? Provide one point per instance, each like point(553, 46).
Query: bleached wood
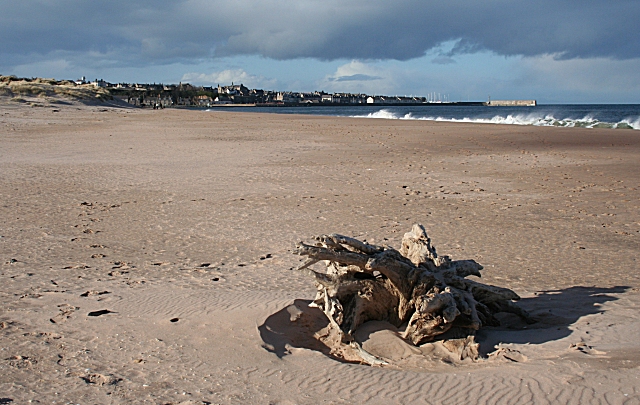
point(430, 294)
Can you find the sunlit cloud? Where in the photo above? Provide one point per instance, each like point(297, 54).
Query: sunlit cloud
point(226, 77)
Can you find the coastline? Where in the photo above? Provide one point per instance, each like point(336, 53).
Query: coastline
point(128, 205)
point(561, 115)
point(382, 105)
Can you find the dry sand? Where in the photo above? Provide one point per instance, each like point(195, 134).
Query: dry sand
point(145, 255)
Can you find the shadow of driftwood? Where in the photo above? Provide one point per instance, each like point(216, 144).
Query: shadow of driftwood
point(554, 311)
point(294, 326)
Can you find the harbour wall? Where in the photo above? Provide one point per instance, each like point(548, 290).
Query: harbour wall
point(512, 103)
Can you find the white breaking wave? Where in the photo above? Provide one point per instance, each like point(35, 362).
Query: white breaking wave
point(635, 124)
point(517, 119)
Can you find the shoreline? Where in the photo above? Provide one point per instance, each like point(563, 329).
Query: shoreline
point(181, 224)
point(542, 116)
point(382, 105)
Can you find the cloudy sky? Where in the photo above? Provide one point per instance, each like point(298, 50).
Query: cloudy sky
point(560, 51)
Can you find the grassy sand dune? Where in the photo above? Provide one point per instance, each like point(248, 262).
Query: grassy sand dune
point(47, 90)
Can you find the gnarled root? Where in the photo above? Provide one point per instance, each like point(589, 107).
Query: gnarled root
point(413, 288)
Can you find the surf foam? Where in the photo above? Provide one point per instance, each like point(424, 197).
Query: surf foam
point(548, 120)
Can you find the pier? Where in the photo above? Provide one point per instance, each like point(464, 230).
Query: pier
point(511, 103)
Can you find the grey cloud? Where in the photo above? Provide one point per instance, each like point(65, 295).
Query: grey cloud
point(164, 31)
point(356, 77)
point(443, 60)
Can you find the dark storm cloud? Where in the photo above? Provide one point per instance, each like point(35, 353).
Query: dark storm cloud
point(130, 33)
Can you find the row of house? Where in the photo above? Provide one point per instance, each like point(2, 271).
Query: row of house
point(185, 94)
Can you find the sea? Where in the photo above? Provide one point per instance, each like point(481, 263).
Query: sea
point(614, 116)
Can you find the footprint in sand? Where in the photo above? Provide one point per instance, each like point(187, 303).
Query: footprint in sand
point(77, 266)
point(21, 361)
point(93, 292)
point(65, 313)
point(586, 349)
point(101, 379)
point(100, 312)
point(120, 265)
point(504, 353)
point(119, 269)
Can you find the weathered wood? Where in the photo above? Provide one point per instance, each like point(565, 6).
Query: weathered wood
point(414, 289)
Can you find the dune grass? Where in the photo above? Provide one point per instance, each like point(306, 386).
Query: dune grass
point(15, 87)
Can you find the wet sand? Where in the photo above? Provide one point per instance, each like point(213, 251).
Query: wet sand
point(145, 256)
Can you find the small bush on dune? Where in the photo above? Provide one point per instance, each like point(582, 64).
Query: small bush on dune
point(7, 79)
point(45, 81)
point(5, 91)
point(28, 89)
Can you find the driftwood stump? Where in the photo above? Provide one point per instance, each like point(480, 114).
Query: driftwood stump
point(425, 295)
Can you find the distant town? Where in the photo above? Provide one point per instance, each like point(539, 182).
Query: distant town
point(187, 95)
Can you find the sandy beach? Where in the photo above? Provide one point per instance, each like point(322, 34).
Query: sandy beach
point(146, 256)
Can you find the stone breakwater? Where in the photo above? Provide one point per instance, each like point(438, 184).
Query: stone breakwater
point(512, 103)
